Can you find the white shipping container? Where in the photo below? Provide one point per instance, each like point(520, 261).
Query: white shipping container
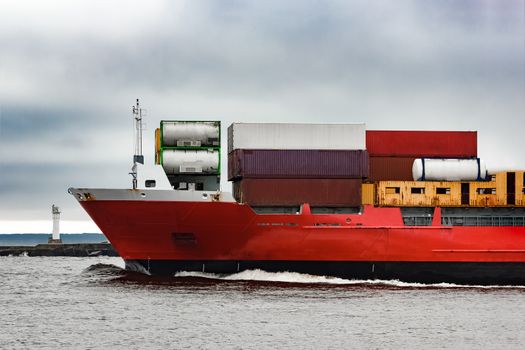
point(296, 136)
point(190, 161)
point(425, 169)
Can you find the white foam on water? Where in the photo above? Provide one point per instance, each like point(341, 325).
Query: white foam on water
point(294, 277)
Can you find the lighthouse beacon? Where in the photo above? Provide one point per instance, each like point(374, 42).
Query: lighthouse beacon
point(55, 238)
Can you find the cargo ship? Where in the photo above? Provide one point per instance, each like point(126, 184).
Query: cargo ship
point(323, 199)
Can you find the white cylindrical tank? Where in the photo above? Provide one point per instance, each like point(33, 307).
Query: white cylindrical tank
point(192, 134)
point(429, 169)
point(190, 161)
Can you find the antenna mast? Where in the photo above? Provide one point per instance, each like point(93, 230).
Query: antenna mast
point(137, 115)
point(137, 157)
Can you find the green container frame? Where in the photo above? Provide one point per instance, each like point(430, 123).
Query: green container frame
point(190, 148)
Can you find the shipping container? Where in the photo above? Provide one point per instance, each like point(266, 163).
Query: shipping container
point(294, 192)
point(368, 191)
point(157, 146)
point(390, 168)
point(157, 140)
point(296, 136)
point(175, 133)
point(390, 193)
point(510, 188)
point(422, 144)
point(501, 186)
point(418, 193)
point(176, 161)
point(520, 188)
point(486, 194)
point(447, 193)
point(297, 164)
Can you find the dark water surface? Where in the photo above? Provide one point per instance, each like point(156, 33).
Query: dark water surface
point(91, 303)
point(31, 239)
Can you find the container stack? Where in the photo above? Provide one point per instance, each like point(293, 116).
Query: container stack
point(292, 164)
point(504, 189)
point(392, 153)
point(189, 152)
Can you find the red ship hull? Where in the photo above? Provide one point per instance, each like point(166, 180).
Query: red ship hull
point(162, 237)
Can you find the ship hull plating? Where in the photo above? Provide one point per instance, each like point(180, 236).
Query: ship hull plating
point(160, 236)
point(466, 273)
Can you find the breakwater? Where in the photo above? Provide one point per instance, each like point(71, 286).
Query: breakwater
point(79, 249)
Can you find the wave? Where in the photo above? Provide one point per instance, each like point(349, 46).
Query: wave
point(299, 278)
point(105, 269)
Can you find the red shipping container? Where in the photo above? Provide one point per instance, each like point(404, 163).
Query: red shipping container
point(421, 144)
point(294, 192)
point(391, 168)
point(298, 164)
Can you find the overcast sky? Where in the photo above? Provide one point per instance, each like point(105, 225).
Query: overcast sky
point(71, 70)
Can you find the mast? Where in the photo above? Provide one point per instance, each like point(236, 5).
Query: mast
point(137, 157)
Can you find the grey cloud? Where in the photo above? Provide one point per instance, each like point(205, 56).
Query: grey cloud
point(249, 49)
point(402, 65)
point(34, 123)
point(30, 189)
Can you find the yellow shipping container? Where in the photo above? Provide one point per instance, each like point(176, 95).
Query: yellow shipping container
point(157, 140)
point(389, 193)
point(501, 188)
point(446, 194)
point(418, 193)
point(157, 146)
point(368, 194)
point(502, 185)
point(486, 194)
point(520, 188)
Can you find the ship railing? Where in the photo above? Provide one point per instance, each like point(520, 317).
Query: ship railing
point(483, 221)
point(417, 220)
point(466, 220)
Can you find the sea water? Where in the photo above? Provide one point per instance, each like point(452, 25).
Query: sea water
point(92, 303)
point(32, 239)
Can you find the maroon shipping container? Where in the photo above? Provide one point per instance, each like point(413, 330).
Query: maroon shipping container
point(391, 168)
point(294, 192)
point(298, 164)
point(420, 144)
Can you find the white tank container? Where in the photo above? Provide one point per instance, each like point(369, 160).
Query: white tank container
point(190, 161)
point(296, 136)
point(194, 134)
point(428, 169)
